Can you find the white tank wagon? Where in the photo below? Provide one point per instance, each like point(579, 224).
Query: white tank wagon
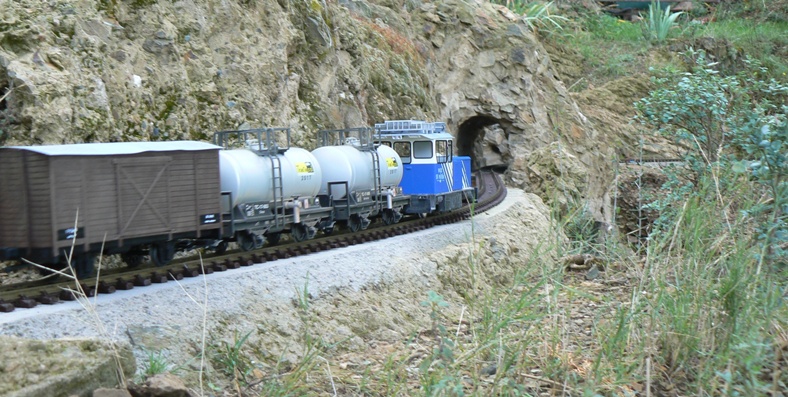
point(268, 187)
point(249, 176)
point(355, 166)
point(360, 180)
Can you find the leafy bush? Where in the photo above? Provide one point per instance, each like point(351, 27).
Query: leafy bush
point(727, 123)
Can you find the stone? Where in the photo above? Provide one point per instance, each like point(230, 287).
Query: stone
point(60, 367)
point(162, 385)
point(104, 392)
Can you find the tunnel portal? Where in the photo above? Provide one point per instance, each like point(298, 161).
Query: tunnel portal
point(485, 140)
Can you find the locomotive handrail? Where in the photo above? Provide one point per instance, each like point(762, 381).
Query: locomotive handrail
point(409, 126)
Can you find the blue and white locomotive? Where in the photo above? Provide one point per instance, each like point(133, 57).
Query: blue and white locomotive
point(435, 179)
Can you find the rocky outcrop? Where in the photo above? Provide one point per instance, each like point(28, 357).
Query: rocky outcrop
point(62, 367)
point(82, 70)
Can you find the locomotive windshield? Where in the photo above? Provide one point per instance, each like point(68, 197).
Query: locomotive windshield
point(422, 149)
point(443, 150)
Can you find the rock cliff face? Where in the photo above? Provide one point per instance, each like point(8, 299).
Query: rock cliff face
point(124, 70)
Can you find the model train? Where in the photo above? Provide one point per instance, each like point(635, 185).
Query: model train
point(248, 187)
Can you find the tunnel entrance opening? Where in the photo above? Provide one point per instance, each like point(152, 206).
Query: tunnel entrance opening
point(485, 151)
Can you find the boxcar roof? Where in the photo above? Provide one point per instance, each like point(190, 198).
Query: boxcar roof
point(104, 149)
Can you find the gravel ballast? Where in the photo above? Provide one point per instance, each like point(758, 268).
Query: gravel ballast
point(169, 317)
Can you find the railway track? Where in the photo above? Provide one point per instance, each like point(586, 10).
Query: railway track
point(491, 192)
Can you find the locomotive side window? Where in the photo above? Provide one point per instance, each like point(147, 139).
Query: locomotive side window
point(422, 149)
point(386, 143)
point(443, 150)
point(403, 150)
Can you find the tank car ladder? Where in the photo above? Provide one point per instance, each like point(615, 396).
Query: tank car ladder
point(276, 176)
point(376, 177)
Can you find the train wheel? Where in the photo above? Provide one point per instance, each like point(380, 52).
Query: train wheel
point(354, 223)
point(49, 270)
point(221, 247)
point(299, 233)
point(273, 238)
point(327, 231)
point(388, 216)
point(162, 253)
point(84, 266)
point(132, 260)
point(246, 241)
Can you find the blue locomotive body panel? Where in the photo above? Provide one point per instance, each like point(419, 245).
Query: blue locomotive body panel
point(462, 173)
point(435, 179)
point(426, 179)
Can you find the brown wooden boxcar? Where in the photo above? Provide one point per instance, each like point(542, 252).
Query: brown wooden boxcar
point(125, 196)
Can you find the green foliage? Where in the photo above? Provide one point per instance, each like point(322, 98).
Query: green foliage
point(735, 122)
point(581, 229)
point(230, 359)
point(765, 146)
point(762, 40)
point(715, 266)
point(537, 15)
point(540, 16)
point(156, 364)
point(436, 374)
point(699, 109)
point(658, 23)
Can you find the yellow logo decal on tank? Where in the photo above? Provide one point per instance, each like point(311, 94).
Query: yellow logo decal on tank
point(391, 162)
point(304, 167)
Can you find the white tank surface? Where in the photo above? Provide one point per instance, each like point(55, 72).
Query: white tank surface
point(347, 163)
point(250, 178)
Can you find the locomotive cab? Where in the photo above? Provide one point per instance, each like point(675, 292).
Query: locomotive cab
point(434, 177)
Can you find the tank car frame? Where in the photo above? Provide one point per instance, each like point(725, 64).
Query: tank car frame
point(251, 223)
point(376, 173)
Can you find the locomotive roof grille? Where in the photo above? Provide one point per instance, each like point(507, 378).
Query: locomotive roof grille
point(398, 127)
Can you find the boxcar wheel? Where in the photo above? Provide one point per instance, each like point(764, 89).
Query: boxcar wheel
point(132, 260)
point(50, 268)
point(162, 253)
point(84, 266)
